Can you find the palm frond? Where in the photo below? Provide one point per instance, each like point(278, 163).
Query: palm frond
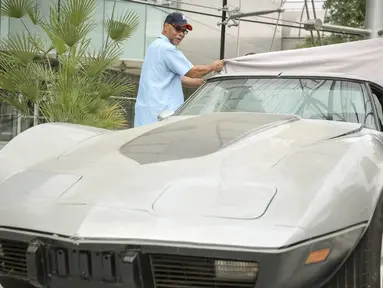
point(22, 46)
point(42, 72)
point(79, 104)
point(73, 21)
point(123, 27)
point(20, 79)
point(7, 79)
point(34, 14)
point(15, 8)
point(112, 117)
point(57, 43)
point(98, 62)
point(16, 101)
point(116, 85)
point(71, 62)
point(77, 11)
point(80, 90)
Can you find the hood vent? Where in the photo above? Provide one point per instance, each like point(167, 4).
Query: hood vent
point(197, 136)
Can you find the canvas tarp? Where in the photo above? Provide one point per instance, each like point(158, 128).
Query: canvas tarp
point(361, 58)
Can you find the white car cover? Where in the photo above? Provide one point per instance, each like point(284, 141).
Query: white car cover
point(360, 58)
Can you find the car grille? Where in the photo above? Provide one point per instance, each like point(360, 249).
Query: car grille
point(184, 272)
point(13, 256)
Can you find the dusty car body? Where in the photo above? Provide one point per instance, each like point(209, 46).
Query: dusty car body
point(267, 179)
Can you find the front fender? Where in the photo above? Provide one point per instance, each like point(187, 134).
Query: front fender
point(42, 142)
point(331, 185)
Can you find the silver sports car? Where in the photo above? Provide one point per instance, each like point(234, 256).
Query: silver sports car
point(260, 180)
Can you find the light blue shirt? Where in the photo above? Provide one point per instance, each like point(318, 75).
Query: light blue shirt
point(160, 85)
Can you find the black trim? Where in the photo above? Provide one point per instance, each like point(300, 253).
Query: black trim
point(55, 262)
point(281, 76)
point(373, 104)
point(351, 132)
point(35, 264)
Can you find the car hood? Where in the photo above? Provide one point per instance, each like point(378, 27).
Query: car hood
point(212, 189)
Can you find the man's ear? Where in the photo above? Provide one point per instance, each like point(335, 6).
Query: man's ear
point(166, 27)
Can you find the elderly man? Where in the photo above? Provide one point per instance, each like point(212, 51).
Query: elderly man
point(165, 70)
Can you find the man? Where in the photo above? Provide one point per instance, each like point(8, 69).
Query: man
point(165, 70)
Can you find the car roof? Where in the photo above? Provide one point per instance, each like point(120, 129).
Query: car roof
point(290, 74)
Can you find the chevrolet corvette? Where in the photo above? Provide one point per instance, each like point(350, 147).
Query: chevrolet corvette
point(260, 180)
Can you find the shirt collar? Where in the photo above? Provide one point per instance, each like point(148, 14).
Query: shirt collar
point(163, 37)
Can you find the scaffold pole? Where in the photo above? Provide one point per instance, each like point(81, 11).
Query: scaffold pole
point(374, 18)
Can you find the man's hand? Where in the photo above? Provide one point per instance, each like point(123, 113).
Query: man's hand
point(218, 65)
point(188, 82)
point(199, 82)
point(202, 70)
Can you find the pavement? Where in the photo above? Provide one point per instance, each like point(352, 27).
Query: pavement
point(2, 144)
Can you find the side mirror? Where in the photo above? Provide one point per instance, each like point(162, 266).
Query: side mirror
point(165, 114)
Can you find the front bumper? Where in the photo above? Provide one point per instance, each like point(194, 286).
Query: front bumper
point(57, 262)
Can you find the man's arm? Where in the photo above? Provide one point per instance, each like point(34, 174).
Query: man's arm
point(199, 71)
point(188, 82)
point(177, 62)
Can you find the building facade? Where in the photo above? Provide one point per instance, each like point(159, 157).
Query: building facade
point(201, 46)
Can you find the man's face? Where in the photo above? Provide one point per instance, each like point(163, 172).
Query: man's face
point(175, 33)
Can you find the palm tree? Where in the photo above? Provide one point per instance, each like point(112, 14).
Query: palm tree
point(65, 80)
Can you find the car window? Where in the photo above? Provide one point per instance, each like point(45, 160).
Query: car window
point(327, 99)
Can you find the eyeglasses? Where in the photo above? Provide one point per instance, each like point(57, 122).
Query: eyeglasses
point(180, 29)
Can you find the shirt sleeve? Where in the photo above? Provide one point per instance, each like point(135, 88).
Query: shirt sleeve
point(177, 62)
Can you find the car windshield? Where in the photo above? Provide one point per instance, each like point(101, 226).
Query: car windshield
point(309, 98)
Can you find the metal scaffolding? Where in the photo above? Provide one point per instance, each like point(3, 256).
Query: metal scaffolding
point(234, 19)
point(373, 22)
point(374, 18)
point(232, 16)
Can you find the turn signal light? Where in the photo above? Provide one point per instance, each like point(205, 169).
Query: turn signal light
point(318, 256)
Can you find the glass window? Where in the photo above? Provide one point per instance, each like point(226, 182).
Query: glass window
point(134, 47)
point(97, 34)
point(154, 24)
point(16, 26)
point(4, 27)
point(326, 99)
point(8, 122)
